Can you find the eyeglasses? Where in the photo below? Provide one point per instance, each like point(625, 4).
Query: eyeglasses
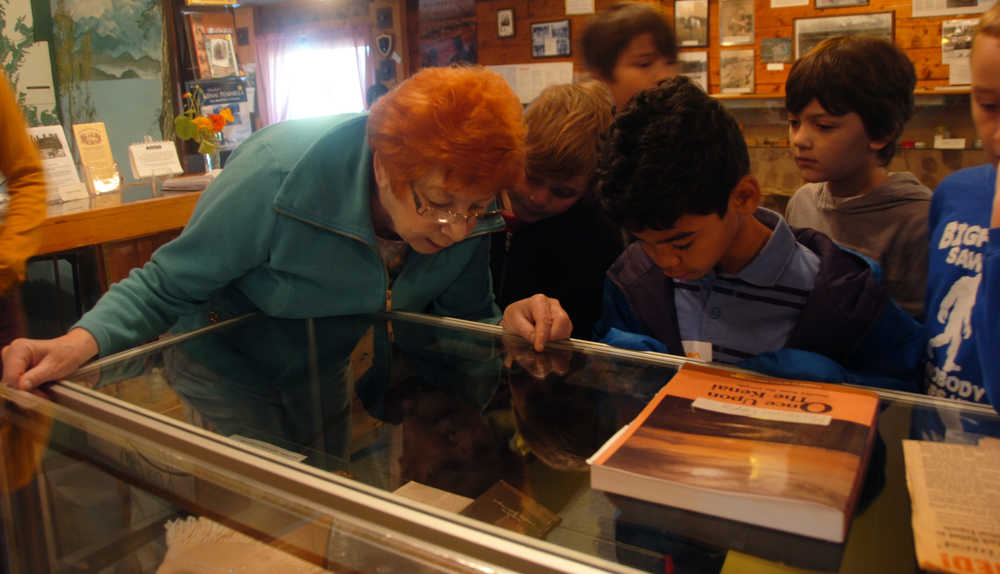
point(445, 216)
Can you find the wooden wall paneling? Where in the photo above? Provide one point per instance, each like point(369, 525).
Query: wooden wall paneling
point(399, 33)
point(245, 19)
point(919, 37)
point(495, 51)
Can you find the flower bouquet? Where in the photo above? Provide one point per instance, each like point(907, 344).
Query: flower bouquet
point(203, 129)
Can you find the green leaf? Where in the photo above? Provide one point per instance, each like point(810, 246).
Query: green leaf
point(185, 127)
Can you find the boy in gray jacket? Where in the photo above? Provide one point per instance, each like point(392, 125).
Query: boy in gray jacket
point(847, 102)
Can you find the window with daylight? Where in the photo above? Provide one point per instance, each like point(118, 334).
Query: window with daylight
point(319, 81)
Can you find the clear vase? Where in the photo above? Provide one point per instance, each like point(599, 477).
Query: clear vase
point(209, 161)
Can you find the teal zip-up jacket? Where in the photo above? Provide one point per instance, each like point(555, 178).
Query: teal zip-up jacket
point(286, 230)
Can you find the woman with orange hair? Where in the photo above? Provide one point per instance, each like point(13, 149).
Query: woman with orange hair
point(334, 216)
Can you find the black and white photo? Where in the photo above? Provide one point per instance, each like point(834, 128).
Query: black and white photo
point(550, 39)
point(505, 23)
point(811, 31)
point(735, 22)
point(691, 22)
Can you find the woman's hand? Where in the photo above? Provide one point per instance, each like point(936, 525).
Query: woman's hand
point(539, 319)
point(28, 363)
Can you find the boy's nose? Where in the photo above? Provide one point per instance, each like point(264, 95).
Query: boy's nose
point(667, 262)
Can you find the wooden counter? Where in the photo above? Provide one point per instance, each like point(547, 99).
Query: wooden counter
point(111, 218)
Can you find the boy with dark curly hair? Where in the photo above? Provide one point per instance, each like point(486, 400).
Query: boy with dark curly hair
point(713, 275)
point(847, 102)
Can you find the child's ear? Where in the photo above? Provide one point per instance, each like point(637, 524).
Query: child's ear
point(877, 145)
point(745, 197)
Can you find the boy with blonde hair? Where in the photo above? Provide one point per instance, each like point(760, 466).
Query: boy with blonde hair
point(963, 287)
point(557, 241)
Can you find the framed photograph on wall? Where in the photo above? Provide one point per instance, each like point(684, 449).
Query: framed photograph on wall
point(694, 65)
point(505, 23)
point(928, 8)
point(736, 71)
point(812, 31)
point(691, 22)
point(776, 51)
point(221, 55)
point(735, 22)
point(550, 39)
point(821, 4)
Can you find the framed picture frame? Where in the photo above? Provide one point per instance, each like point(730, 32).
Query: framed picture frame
point(221, 55)
point(505, 23)
point(956, 40)
point(776, 51)
point(694, 65)
point(824, 4)
point(736, 71)
point(550, 39)
point(736, 22)
point(812, 31)
point(691, 23)
point(929, 8)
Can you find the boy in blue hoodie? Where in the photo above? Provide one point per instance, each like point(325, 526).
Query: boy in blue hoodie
point(713, 275)
point(963, 280)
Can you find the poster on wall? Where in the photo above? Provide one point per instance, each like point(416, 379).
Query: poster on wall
point(447, 32)
point(528, 80)
point(26, 63)
point(928, 8)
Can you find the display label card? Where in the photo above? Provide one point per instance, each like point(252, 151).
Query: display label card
point(151, 159)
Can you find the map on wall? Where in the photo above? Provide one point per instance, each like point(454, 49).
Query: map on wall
point(122, 37)
point(26, 63)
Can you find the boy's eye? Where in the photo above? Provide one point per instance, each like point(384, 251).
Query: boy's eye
point(683, 246)
point(793, 123)
point(825, 127)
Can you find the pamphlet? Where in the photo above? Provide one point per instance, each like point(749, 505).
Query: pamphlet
point(95, 157)
point(61, 178)
point(955, 512)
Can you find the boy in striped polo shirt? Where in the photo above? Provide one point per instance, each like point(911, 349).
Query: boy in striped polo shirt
point(715, 276)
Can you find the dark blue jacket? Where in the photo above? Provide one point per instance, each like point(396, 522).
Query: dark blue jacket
point(849, 331)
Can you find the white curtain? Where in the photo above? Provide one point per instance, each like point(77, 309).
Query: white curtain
point(284, 87)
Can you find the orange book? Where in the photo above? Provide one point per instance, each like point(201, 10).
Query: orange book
point(196, 28)
point(788, 455)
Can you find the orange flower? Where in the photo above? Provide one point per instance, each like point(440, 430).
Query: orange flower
point(218, 122)
point(227, 114)
point(203, 123)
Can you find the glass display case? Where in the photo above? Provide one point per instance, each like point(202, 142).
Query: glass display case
point(364, 444)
